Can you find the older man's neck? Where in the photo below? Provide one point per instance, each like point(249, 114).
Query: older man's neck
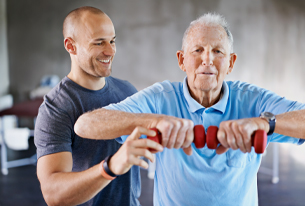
point(206, 99)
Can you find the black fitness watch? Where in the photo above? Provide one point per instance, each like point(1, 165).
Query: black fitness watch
point(271, 119)
point(106, 167)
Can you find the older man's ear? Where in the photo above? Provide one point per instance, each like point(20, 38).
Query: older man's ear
point(233, 58)
point(180, 56)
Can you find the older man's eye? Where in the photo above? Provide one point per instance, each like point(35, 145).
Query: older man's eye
point(198, 50)
point(218, 51)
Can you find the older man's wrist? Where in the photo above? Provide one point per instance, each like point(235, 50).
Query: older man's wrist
point(264, 125)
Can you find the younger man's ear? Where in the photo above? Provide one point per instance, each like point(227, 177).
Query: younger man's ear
point(180, 56)
point(70, 45)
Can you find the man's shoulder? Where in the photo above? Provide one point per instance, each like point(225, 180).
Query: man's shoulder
point(115, 80)
point(166, 86)
point(64, 97)
point(61, 90)
point(243, 86)
point(120, 83)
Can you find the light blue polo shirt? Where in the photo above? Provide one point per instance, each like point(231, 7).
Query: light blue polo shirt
point(205, 178)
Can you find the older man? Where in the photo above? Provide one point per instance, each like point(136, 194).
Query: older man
point(73, 170)
point(226, 176)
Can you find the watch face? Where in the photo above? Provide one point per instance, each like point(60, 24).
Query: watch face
point(268, 115)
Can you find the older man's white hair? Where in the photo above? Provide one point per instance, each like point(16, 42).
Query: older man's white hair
point(209, 19)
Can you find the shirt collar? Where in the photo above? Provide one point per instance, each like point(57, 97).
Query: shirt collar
point(195, 106)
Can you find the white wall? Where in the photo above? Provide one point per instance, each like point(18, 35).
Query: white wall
point(269, 39)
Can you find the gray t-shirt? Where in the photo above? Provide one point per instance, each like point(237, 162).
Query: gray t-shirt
point(54, 133)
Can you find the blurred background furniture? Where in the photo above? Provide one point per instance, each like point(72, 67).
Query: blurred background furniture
point(24, 109)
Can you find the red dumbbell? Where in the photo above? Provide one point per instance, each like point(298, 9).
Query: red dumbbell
point(259, 138)
point(199, 137)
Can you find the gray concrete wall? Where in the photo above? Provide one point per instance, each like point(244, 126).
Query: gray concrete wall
point(269, 40)
point(4, 70)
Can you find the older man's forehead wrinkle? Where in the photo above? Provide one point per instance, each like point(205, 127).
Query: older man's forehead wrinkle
point(201, 35)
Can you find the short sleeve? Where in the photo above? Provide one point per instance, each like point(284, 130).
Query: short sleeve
point(275, 104)
point(53, 130)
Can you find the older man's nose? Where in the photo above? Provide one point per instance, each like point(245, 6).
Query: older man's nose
point(207, 58)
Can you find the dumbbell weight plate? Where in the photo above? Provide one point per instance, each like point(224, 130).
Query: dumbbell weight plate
point(259, 141)
point(211, 138)
point(199, 136)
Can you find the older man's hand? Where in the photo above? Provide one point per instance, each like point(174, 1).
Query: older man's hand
point(236, 134)
point(176, 132)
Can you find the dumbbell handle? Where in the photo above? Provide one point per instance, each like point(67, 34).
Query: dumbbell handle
point(258, 140)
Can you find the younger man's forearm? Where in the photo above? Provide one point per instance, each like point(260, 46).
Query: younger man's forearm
point(109, 124)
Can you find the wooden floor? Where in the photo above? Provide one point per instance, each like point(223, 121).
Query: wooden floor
point(21, 187)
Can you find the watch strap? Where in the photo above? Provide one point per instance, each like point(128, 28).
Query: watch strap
point(271, 127)
point(270, 118)
point(105, 171)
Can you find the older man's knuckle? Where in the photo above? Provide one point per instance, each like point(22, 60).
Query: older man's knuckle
point(240, 142)
point(168, 126)
point(179, 142)
point(191, 123)
point(188, 123)
point(231, 140)
point(225, 125)
point(171, 141)
point(242, 128)
point(178, 124)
